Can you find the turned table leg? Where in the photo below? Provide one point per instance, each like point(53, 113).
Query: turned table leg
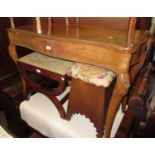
point(120, 90)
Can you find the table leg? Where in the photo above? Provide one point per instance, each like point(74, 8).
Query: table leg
point(120, 90)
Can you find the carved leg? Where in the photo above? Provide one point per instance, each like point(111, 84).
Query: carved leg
point(120, 90)
point(134, 72)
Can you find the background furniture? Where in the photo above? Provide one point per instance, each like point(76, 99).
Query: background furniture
point(138, 120)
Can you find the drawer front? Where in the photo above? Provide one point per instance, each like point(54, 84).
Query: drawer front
point(73, 50)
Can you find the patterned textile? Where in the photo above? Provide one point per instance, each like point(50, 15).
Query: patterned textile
point(46, 62)
point(92, 74)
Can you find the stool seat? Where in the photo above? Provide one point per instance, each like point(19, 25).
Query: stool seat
point(52, 64)
point(98, 76)
point(40, 114)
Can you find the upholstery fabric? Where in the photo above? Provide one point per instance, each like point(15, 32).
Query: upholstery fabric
point(92, 74)
point(88, 73)
point(48, 63)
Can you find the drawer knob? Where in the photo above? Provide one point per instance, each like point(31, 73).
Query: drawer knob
point(48, 47)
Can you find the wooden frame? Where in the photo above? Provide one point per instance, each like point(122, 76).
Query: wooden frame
point(23, 68)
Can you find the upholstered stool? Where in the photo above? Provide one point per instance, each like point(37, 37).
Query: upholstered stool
point(42, 115)
point(48, 67)
point(90, 94)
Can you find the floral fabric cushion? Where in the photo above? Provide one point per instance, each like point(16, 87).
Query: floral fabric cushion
point(92, 74)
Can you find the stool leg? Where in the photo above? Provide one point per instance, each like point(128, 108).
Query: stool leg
point(120, 90)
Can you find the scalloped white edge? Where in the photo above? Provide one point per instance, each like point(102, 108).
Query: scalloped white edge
point(79, 119)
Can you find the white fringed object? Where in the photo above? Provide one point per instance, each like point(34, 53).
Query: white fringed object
point(41, 114)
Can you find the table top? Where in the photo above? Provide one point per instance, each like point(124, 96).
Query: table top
point(89, 33)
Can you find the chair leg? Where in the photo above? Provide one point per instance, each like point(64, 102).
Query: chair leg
point(120, 90)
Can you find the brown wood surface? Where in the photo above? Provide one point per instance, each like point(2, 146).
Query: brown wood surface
point(110, 37)
point(74, 50)
point(120, 23)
